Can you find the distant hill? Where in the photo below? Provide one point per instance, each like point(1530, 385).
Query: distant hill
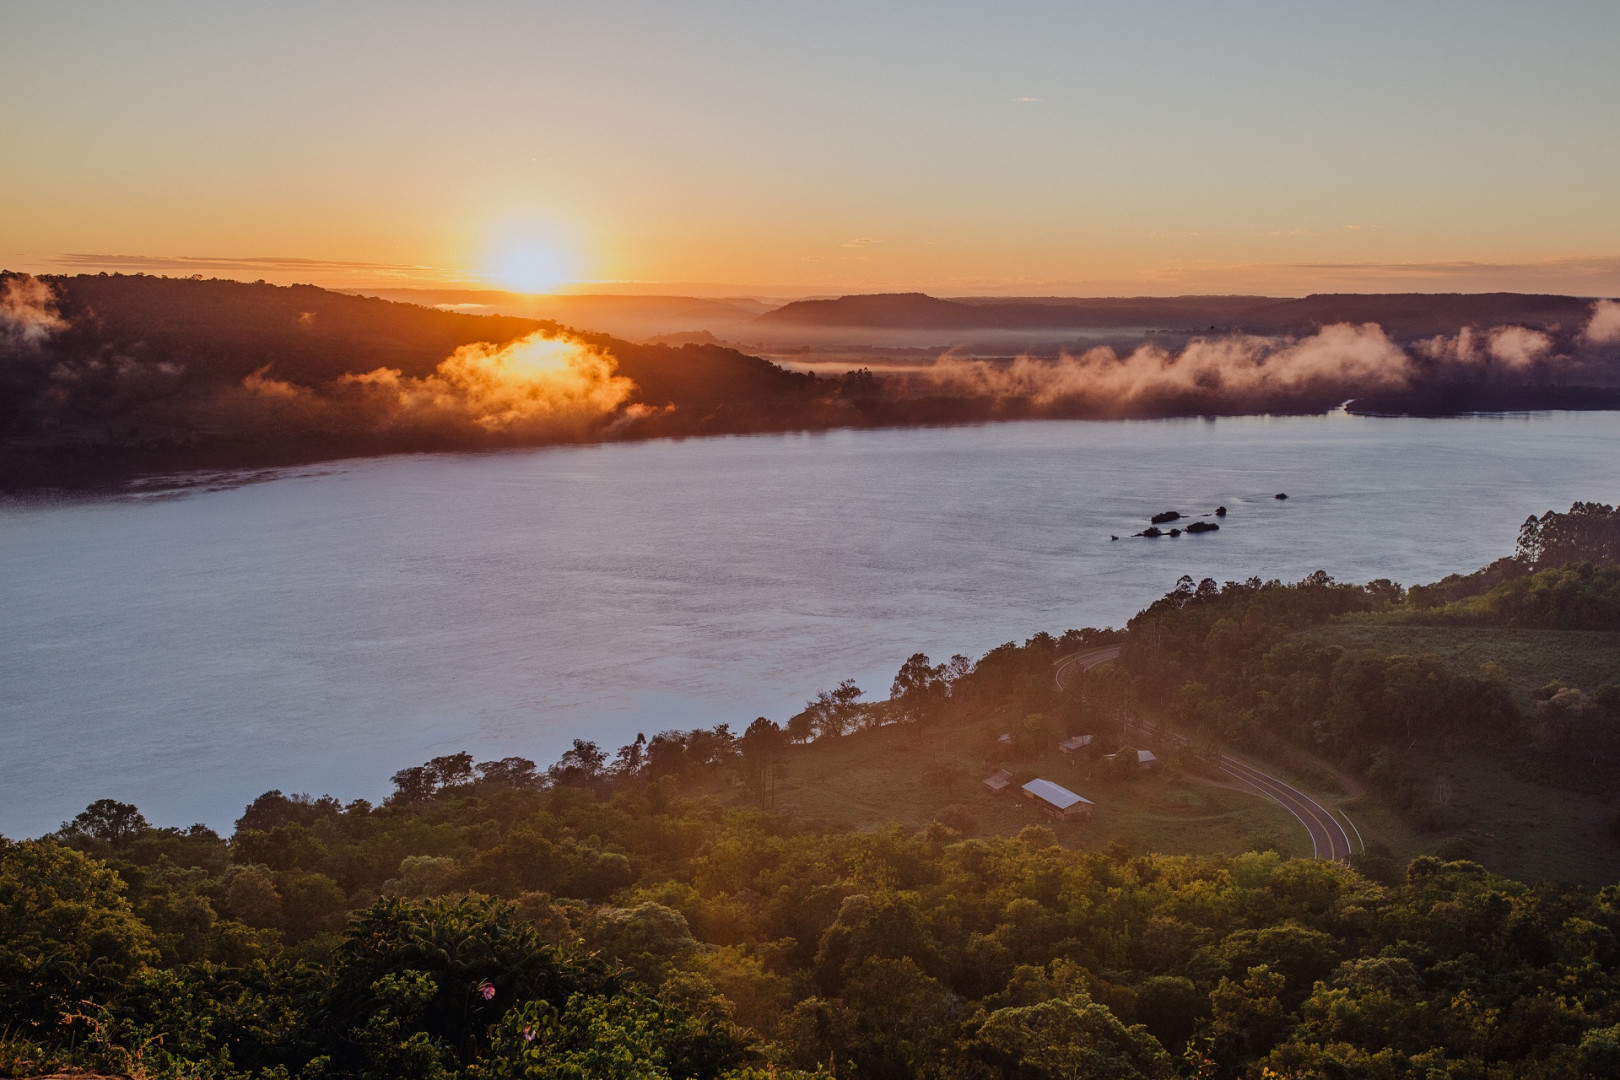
point(1401, 314)
point(224, 330)
point(886, 310)
point(1110, 312)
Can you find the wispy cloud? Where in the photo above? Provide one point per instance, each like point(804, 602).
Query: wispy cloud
point(860, 241)
point(27, 312)
point(1025, 100)
point(1337, 360)
point(1604, 329)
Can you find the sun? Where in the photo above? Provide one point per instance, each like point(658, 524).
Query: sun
point(528, 267)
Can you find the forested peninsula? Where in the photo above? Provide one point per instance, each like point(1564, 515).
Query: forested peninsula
point(838, 893)
point(107, 380)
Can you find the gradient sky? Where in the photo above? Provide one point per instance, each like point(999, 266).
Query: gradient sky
point(827, 146)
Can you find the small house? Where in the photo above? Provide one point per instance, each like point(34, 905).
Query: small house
point(1145, 759)
point(1058, 801)
point(1075, 745)
point(998, 780)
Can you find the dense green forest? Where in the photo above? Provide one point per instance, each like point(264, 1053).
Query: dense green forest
point(652, 912)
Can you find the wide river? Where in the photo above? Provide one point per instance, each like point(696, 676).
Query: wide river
point(320, 630)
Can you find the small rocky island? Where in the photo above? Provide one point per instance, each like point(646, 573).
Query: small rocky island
point(1164, 517)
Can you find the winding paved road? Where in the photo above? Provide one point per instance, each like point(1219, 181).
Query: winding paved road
point(1085, 661)
point(1329, 840)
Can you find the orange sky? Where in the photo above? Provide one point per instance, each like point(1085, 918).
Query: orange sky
point(776, 149)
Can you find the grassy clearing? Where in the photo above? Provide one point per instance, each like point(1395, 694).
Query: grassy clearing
point(1528, 815)
point(894, 775)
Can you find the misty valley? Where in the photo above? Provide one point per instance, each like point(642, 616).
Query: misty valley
point(109, 379)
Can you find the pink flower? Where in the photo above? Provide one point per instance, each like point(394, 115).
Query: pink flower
point(486, 990)
point(528, 1034)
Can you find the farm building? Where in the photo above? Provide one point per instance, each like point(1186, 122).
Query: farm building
point(1075, 745)
point(1058, 801)
point(998, 781)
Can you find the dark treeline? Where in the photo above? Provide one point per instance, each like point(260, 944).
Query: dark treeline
point(108, 378)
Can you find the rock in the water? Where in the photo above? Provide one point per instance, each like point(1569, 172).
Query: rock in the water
point(1151, 530)
point(1220, 511)
point(1203, 527)
point(1175, 532)
point(1113, 538)
point(1280, 495)
point(1168, 515)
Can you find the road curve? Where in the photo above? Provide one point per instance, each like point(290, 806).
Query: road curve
point(1084, 661)
point(1328, 838)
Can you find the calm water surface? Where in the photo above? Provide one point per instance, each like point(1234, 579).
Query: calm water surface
point(321, 630)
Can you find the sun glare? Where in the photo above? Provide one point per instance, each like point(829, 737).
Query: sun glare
point(530, 268)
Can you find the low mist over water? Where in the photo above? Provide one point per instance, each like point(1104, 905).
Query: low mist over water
point(319, 631)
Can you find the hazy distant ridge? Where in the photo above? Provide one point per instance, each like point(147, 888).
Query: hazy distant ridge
point(1400, 314)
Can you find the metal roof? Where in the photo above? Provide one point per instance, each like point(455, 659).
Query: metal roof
point(1055, 794)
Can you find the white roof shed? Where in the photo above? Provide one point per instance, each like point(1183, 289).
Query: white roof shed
point(1056, 796)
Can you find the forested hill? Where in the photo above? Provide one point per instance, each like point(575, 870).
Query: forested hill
point(103, 378)
point(223, 331)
